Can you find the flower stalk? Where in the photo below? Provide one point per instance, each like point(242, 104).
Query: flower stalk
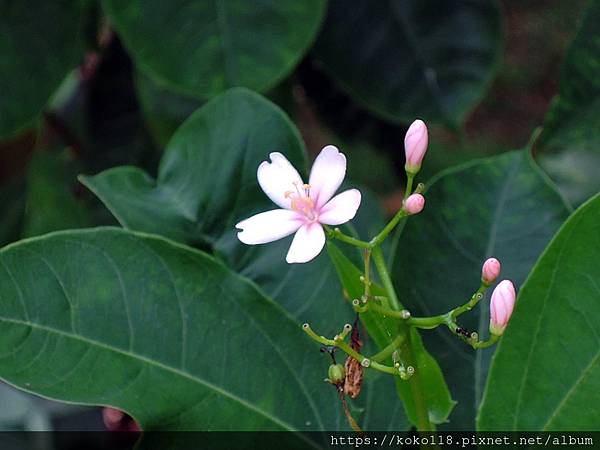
point(339, 342)
point(312, 213)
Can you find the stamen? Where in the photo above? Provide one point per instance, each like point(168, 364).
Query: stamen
point(295, 183)
point(301, 202)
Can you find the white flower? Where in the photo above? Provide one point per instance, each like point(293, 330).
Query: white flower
point(304, 206)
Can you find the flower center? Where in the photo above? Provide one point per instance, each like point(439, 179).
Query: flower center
point(301, 201)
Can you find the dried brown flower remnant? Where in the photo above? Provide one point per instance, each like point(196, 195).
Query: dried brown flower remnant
point(354, 369)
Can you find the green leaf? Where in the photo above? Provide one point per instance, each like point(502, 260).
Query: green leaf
point(40, 42)
point(222, 145)
point(500, 206)
point(546, 372)
point(51, 201)
point(163, 110)
point(380, 329)
point(570, 143)
point(207, 183)
point(207, 177)
point(413, 58)
point(244, 128)
point(78, 322)
point(203, 48)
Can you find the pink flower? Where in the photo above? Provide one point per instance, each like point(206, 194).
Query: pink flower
point(414, 204)
point(304, 206)
point(490, 271)
point(415, 145)
point(501, 306)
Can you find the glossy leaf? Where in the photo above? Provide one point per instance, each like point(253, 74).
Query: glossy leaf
point(40, 42)
point(78, 316)
point(570, 142)
point(215, 171)
point(207, 177)
point(203, 48)
point(245, 129)
point(415, 58)
point(381, 330)
point(546, 372)
point(500, 206)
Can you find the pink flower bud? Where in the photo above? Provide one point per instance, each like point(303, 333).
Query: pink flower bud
point(490, 271)
point(415, 145)
point(501, 306)
point(414, 204)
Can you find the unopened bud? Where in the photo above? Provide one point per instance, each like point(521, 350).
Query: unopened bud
point(501, 306)
point(336, 373)
point(490, 271)
point(415, 146)
point(414, 204)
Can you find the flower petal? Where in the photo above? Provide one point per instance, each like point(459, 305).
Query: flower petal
point(278, 177)
point(341, 208)
point(326, 175)
point(268, 226)
point(307, 244)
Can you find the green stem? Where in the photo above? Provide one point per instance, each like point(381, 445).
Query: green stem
point(336, 233)
point(448, 318)
point(379, 238)
point(409, 182)
point(478, 295)
point(428, 323)
point(342, 345)
point(423, 423)
point(388, 228)
point(485, 344)
point(385, 279)
point(387, 351)
point(367, 280)
point(388, 312)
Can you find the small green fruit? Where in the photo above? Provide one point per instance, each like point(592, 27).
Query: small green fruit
point(336, 373)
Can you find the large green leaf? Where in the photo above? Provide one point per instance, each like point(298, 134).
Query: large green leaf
point(412, 58)
point(207, 177)
point(570, 142)
point(40, 42)
point(207, 182)
point(106, 316)
point(203, 48)
point(501, 206)
point(546, 372)
point(222, 145)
